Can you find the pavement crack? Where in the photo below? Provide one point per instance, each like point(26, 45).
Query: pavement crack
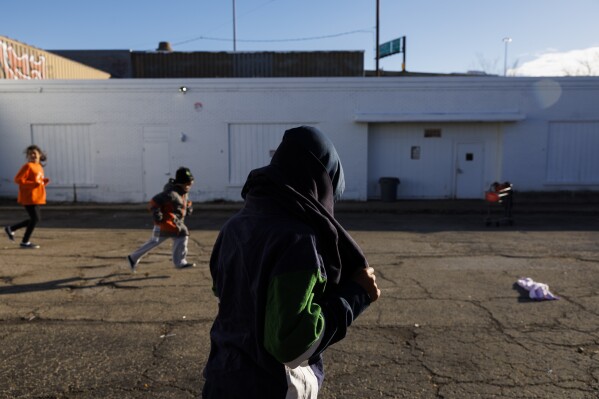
point(7, 279)
point(579, 305)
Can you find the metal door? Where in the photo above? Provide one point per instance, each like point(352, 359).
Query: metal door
point(469, 170)
point(156, 167)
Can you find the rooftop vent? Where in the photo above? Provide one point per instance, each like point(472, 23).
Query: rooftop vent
point(164, 46)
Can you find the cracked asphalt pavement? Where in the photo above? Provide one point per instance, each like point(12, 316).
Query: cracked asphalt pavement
point(451, 322)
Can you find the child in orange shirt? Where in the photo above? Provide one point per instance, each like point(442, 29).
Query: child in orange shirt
point(32, 193)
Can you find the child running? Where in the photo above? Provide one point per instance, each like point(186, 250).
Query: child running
point(32, 194)
point(168, 210)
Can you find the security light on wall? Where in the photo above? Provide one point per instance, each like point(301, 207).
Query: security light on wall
point(183, 89)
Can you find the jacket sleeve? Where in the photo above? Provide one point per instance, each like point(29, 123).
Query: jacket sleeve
point(154, 209)
point(161, 207)
point(24, 177)
point(301, 320)
point(294, 322)
point(340, 309)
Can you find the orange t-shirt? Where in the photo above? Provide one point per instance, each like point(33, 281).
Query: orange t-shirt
point(32, 187)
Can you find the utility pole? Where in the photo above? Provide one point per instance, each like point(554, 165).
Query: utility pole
point(506, 40)
point(234, 28)
point(378, 72)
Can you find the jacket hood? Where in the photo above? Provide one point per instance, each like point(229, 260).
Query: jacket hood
point(304, 178)
point(310, 164)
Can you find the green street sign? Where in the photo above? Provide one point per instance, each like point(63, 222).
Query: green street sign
point(389, 48)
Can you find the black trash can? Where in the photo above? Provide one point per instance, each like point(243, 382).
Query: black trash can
point(388, 188)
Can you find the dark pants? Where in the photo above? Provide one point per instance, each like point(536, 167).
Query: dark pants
point(35, 216)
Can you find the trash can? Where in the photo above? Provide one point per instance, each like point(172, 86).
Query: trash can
point(388, 188)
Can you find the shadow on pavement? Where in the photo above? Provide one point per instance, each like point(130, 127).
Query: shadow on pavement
point(74, 283)
point(425, 217)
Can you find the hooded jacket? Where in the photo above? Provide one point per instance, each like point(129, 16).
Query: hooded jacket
point(169, 209)
point(281, 270)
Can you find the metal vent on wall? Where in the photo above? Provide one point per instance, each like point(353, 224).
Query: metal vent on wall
point(431, 133)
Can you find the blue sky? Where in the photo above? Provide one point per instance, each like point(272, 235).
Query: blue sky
point(442, 35)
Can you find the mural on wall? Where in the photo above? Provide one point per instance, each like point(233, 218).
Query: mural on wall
point(21, 67)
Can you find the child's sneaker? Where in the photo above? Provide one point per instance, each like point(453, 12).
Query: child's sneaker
point(29, 245)
point(132, 265)
point(9, 233)
point(186, 266)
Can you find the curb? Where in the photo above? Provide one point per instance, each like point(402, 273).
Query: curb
point(397, 207)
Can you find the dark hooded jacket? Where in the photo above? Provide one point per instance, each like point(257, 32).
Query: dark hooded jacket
point(282, 270)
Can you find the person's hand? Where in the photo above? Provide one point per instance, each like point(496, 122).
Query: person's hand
point(367, 280)
point(183, 231)
point(46, 181)
point(157, 216)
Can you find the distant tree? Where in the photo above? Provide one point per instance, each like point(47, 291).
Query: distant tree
point(512, 71)
point(587, 67)
point(489, 67)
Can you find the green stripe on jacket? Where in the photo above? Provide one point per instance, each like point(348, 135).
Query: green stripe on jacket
point(293, 321)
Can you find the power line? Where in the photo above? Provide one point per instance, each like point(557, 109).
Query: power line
point(300, 39)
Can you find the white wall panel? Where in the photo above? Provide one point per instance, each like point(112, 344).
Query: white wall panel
point(390, 147)
point(69, 151)
point(251, 146)
point(433, 173)
point(572, 153)
point(216, 118)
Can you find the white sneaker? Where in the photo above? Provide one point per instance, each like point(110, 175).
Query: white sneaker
point(29, 245)
point(186, 266)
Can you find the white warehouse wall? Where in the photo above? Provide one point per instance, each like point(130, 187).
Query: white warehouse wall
point(120, 113)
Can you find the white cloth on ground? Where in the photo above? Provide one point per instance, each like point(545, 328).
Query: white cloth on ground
point(538, 291)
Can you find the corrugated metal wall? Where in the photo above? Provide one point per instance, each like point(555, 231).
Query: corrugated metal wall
point(69, 149)
point(247, 64)
point(20, 61)
point(251, 146)
point(117, 63)
point(572, 153)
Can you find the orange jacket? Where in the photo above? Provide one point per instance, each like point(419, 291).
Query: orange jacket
point(32, 184)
